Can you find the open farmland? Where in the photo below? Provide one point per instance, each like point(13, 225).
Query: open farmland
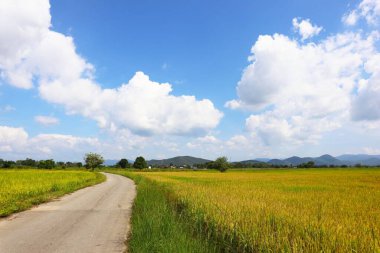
point(329, 210)
point(20, 189)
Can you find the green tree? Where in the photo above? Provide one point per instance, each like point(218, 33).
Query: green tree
point(61, 164)
point(123, 163)
point(140, 163)
point(221, 164)
point(309, 164)
point(27, 162)
point(93, 160)
point(30, 162)
point(8, 164)
point(46, 164)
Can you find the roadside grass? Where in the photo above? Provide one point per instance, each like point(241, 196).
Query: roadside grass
point(20, 189)
point(298, 210)
point(156, 226)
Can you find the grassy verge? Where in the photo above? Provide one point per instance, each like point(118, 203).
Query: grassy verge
point(156, 224)
point(21, 189)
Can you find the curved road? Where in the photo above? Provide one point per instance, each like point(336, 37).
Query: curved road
point(93, 219)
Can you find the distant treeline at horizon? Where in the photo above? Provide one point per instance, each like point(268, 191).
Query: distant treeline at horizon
point(41, 164)
point(51, 164)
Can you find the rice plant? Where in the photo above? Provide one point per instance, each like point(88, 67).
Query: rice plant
point(20, 189)
point(318, 210)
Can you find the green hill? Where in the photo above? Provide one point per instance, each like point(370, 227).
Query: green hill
point(178, 161)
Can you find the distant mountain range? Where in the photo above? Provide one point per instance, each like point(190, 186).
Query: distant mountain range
point(175, 161)
point(253, 161)
point(350, 160)
point(295, 160)
point(357, 157)
point(178, 161)
point(110, 162)
point(369, 160)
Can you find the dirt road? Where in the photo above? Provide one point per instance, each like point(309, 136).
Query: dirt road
point(94, 219)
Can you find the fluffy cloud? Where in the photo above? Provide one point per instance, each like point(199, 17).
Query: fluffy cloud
point(22, 26)
point(371, 151)
point(238, 142)
point(366, 105)
point(299, 91)
point(367, 9)
point(305, 28)
point(12, 138)
point(46, 120)
point(15, 143)
point(208, 140)
point(237, 147)
point(273, 129)
point(143, 106)
point(31, 53)
point(282, 70)
point(52, 144)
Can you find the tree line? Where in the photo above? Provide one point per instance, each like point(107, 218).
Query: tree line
point(41, 164)
point(139, 163)
point(94, 160)
point(91, 161)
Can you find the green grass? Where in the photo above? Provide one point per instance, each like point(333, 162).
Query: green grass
point(21, 189)
point(156, 226)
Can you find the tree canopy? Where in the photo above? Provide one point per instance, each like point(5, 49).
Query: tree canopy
point(140, 163)
point(46, 164)
point(123, 163)
point(93, 160)
point(221, 164)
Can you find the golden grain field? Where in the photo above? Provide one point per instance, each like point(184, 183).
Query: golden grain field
point(318, 210)
point(20, 189)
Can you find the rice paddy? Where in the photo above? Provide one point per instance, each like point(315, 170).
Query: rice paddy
point(21, 189)
point(316, 210)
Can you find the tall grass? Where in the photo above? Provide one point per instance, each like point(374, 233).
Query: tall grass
point(156, 227)
point(322, 210)
point(20, 189)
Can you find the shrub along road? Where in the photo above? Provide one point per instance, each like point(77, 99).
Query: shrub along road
point(94, 219)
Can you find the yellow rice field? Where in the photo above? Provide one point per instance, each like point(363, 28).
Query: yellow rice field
point(20, 189)
point(318, 210)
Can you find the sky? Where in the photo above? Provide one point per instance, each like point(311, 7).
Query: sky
point(242, 79)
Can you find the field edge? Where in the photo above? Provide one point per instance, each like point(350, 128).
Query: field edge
point(156, 216)
point(53, 194)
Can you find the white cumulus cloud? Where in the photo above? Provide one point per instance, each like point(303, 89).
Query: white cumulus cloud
point(239, 142)
point(305, 28)
point(367, 9)
point(143, 106)
point(300, 91)
point(22, 26)
point(15, 143)
point(33, 54)
point(204, 141)
point(52, 144)
point(46, 120)
point(12, 138)
point(371, 151)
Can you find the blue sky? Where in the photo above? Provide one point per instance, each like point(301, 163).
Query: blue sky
point(263, 78)
point(199, 47)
